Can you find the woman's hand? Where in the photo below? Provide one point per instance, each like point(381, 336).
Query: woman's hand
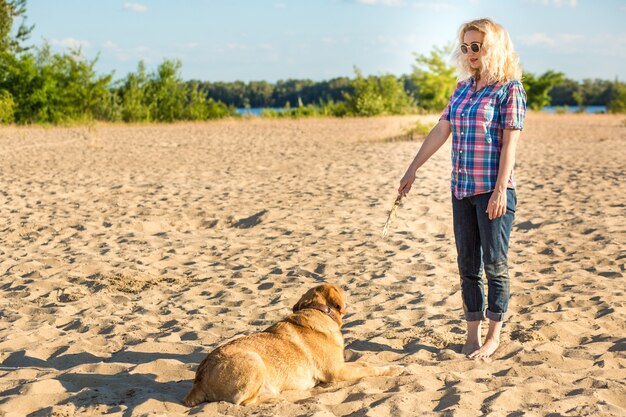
point(406, 182)
point(497, 205)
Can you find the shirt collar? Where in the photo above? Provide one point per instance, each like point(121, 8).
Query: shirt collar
point(473, 83)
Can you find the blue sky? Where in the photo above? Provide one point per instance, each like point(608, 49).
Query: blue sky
point(227, 40)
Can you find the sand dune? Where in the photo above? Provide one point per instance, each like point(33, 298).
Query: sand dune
point(128, 253)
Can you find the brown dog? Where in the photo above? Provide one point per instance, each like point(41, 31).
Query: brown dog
point(297, 353)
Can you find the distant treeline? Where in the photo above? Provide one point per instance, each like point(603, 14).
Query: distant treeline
point(587, 92)
point(265, 94)
point(262, 94)
point(40, 86)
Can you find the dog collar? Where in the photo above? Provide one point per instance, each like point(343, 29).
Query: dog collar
point(324, 309)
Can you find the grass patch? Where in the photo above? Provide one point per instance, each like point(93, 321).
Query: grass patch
point(417, 132)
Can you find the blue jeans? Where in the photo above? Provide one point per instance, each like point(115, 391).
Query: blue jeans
point(483, 242)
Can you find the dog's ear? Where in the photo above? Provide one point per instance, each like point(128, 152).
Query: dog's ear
point(304, 300)
point(337, 299)
point(298, 306)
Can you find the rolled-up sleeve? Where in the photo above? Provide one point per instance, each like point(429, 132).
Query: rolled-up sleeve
point(513, 107)
point(446, 113)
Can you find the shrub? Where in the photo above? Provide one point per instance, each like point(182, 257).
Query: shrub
point(618, 102)
point(377, 95)
point(7, 107)
point(219, 110)
point(434, 79)
point(538, 88)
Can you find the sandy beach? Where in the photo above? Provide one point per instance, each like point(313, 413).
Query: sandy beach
point(127, 253)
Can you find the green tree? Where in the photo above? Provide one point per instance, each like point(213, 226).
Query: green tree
point(618, 102)
point(111, 109)
point(292, 91)
point(597, 92)
point(366, 99)
point(218, 110)
point(53, 88)
point(33, 83)
point(197, 107)
point(84, 93)
point(134, 102)
point(163, 96)
point(166, 92)
point(10, 10)
point(562, 94)
point(580, 100)
point(230, 93)
point(395, 98)
point(538, 88)
point(259, 93)
point(7, 107)
point(377, 95)
point(434, 79)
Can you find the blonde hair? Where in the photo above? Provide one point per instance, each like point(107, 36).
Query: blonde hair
point(500, 62)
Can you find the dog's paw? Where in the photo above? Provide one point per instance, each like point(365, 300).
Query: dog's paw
point(190, 403)
point(195, 397)
point(394, 370)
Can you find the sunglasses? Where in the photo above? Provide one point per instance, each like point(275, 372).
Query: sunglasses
point(474, 46)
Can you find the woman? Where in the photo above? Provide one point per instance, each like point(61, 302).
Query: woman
point(485, 115)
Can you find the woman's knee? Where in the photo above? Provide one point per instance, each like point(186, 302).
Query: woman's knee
point(497, 269)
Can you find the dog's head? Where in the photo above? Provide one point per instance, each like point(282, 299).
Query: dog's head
point(328, 295)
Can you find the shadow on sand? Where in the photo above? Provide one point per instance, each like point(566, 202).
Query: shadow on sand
point(122, 391)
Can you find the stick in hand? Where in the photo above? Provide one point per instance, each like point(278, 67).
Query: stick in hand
point(392, 214)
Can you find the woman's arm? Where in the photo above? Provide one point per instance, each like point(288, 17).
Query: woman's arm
point(497, 202)
point(434, 140)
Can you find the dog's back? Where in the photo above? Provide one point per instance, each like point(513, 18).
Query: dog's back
point(253, 366)
point(303, 349)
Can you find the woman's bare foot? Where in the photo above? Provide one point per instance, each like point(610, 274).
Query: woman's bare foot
point(492, 341)
point(490, 346)
point(469, 348)
point(472, 343)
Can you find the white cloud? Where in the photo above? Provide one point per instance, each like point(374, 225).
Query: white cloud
point(556, 3)
point(341, 40)
point(135, 7)
point(187, 46)
point(125, 54)
point(392, 41)
point(233, 46)
point(609, 44)
point(424, 5)
point(432, 6)
point(70, 43)
point(280, 6)
point(538, 39)
point(569, 37)
point(542, 39)
point(382, 2)
point(238, 46)
point(570, 3)
point(403, 41)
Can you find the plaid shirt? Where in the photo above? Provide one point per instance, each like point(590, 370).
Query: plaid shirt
point(477, 120)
